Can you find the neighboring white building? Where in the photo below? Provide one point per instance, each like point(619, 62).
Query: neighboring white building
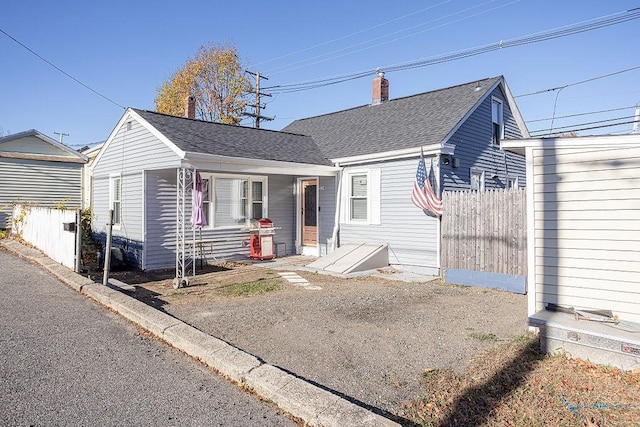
point(583, 215)
point(35, 168)
point(87, 178)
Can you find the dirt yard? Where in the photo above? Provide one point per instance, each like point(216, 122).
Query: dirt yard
point(370, 339)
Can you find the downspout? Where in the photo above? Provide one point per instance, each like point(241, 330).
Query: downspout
point(336, 221)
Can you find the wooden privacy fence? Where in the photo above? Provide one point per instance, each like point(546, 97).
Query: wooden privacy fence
point(485, 231)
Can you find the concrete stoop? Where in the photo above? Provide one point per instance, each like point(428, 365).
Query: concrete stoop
point(596, 342)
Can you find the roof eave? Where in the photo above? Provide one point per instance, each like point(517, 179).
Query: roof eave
point(218, 163)
point(45, 138)
point(519, 146)
point(429, 150)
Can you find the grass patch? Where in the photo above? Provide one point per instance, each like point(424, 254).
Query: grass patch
point(257, 287)
point(483, 337)
point(514, 385)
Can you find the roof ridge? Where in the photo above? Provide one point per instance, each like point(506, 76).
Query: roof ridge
point(402, 98)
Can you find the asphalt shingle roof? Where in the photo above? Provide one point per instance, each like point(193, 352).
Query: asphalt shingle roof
point(235, 141)
point(399, 123)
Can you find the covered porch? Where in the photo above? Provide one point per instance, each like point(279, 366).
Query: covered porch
point(299, 199)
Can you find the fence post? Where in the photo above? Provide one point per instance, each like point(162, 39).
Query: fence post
point(78, 241)
point(107, 251)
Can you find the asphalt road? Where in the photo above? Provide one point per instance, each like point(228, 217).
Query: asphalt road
point(65, 360)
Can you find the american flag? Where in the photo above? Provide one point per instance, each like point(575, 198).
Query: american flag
point(425, 189)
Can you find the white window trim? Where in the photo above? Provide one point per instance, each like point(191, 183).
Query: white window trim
point(112, 178)
point(500, 118)
point(250, 179)
point(373, 196)
point(516, 182)
point(475, 171)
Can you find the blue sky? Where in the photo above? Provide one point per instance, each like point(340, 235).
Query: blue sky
point(126, 49)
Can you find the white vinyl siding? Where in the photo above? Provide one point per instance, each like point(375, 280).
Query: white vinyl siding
point(411, 235)
point(586, 204)
point(143, 152)
point(41, 182)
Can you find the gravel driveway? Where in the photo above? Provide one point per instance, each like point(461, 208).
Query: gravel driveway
point(367, 338)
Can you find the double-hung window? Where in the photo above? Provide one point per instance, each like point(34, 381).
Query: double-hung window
point(115, 196)
point(497, 118)
point(231, 201)
point(358, 198)
point(361, 196)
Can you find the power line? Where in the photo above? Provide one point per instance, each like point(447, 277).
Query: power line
point(581, 114)
point(60, 69)
point(353, 34)
point(587, 128)
point(581, 27)
point(578, 83)
point(579, 126)
point(283, 68)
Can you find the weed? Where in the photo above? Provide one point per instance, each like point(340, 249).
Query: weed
point(522, 339)
point(62, 204)
point(430, 372)
point(483, 336)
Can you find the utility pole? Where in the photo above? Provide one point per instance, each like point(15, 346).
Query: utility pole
point(257, 106)
point(62, 135)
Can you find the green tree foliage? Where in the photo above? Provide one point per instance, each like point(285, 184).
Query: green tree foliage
point(214, 77)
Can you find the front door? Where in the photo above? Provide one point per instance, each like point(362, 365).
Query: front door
point(309, 212)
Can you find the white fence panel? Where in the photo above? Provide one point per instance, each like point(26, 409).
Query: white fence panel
point(44, 229)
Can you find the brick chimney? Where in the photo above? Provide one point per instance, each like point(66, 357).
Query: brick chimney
point(190, 107)
point(380, 89)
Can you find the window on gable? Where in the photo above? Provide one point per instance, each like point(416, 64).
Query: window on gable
point(358, 197)
point(497, 121)
point(477, 180)
point(116, 199)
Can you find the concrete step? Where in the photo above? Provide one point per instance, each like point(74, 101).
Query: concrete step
point(598, 342)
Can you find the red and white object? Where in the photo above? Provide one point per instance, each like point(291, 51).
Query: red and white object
point(262, 236)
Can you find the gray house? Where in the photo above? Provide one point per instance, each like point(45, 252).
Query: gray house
point(145, 170)
point(35, 168)
point(324, 181)
point(377, 147)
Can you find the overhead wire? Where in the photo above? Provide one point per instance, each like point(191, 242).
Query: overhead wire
point(399, 18)
point(582, 114)
point(349, 50)
point(577, 28)
point(570, 130)
point(578, 83)
point(578, 125)
point(60, 69)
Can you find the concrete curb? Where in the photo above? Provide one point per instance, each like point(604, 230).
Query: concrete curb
point(314, 405)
